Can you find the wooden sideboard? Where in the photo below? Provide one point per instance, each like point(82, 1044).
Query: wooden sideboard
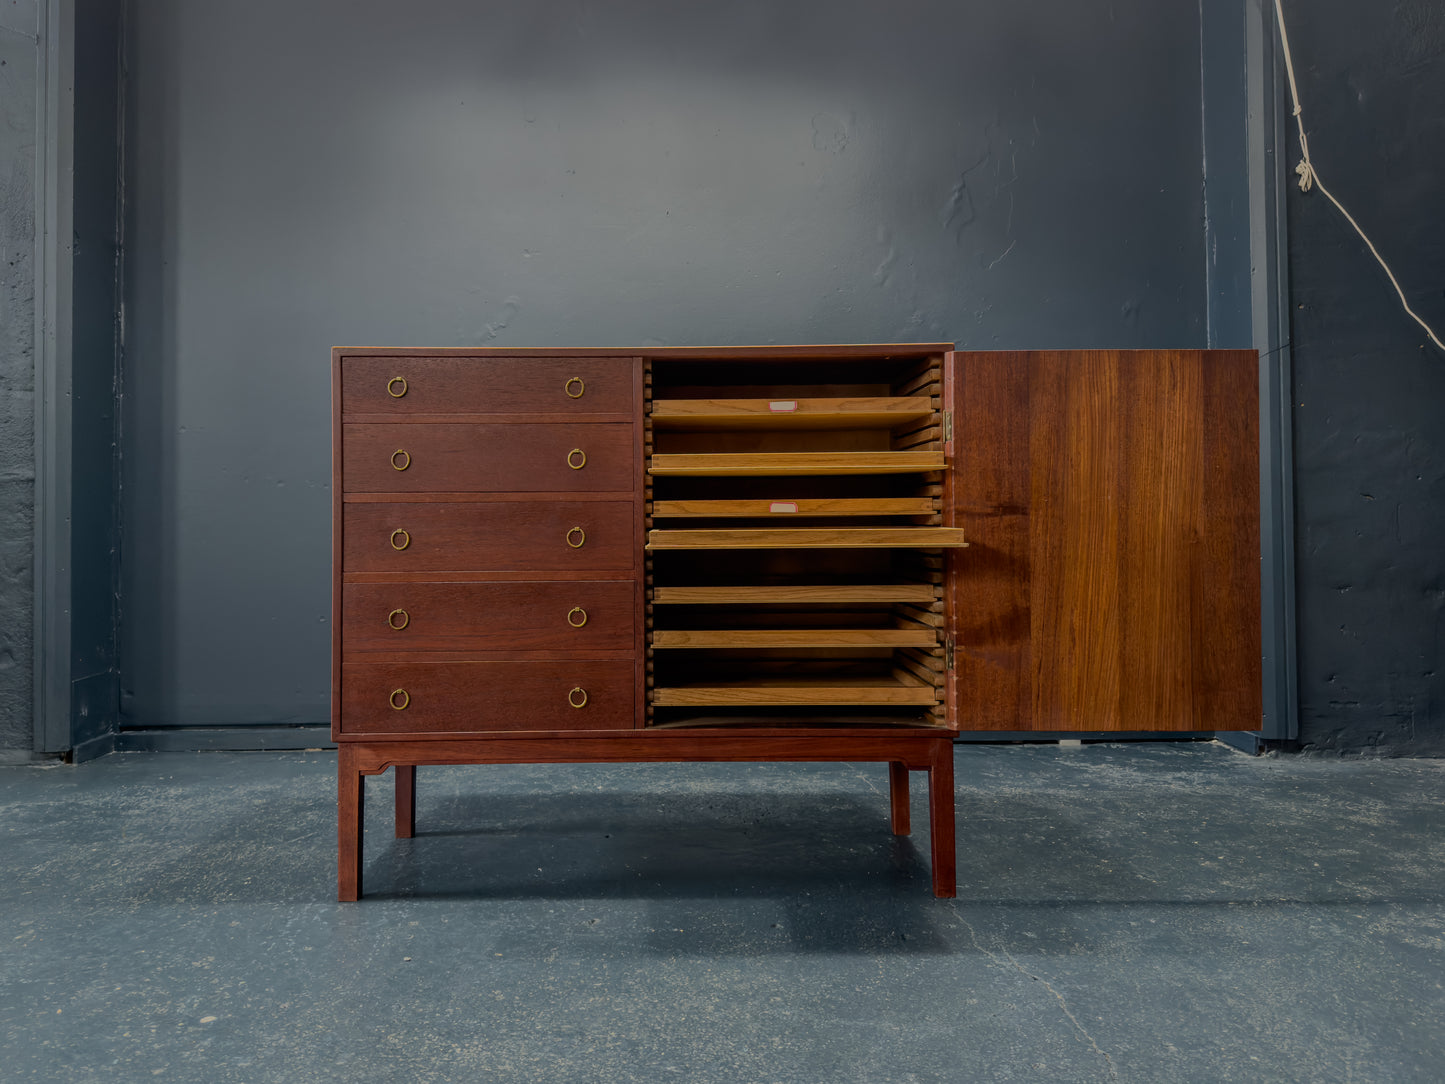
point(814, 553)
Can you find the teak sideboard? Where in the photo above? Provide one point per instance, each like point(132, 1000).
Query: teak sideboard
point(813, 553)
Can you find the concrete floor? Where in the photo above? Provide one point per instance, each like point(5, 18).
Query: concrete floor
point(1136, 913)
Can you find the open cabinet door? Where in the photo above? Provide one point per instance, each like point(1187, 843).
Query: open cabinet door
point(1111, 504)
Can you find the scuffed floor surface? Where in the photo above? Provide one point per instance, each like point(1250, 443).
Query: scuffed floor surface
point(1136, 913)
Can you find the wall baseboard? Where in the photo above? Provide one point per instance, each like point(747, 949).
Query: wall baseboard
point(97, 746)
point(187, 739)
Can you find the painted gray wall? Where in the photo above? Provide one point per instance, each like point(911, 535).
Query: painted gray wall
point(1369, 393)
point(553, 172)
point(18, 140)
point(1224, 87)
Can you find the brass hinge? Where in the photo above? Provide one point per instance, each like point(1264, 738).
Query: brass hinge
point(948, 653)
point(948, 425)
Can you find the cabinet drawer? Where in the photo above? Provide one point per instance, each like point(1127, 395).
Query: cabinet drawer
point(424, 458)
point(380, 385)
point(455, 697)
point(582, 617)
point(489, 536)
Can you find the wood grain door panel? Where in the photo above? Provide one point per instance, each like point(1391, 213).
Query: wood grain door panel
point(495, 536)
point(460, 458)
point(460, 697)
point(486, 385)
point(582, 617)
point(1111, 502)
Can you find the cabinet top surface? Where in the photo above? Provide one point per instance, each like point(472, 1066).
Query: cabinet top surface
point(827, 350)
point(821, 351)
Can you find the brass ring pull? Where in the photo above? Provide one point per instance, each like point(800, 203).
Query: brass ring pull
point(578, 465)
point(400, 539)
point(577, 610)
point(405, 619)
point(572, 697)
point(402, 704)
point(405, 459)
point(581, 387)
point(581, 537)
point(395, 383)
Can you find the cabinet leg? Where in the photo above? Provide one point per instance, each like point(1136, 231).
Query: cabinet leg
point(350, 814)
point(898, 796)
point(405, 801)
point(940, 821)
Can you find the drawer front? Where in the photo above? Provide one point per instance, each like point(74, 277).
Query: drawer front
point(497, 536)
point(424, 458)
point(458, 697)
point(580, 386)
point(582, 617)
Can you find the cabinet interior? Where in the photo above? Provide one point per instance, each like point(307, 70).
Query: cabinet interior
point(796, 533)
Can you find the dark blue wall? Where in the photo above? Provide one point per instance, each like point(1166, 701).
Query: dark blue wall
point(561, 172)
point(1369, 393)
point(1020, 174)
point(19, 136)
point(95, 373)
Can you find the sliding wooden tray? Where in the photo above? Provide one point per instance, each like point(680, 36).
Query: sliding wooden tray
point(855, 506)
point(795, 593)
point(840, 691)
point(763, 538)
point(768, 638)
point(855, 413)
point(770, 464)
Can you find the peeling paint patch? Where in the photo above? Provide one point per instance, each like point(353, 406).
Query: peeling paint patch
point(830, 133)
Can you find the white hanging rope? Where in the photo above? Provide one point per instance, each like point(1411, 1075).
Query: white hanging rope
point(1308, 178)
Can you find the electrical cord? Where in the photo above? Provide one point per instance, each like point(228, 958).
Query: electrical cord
point(1310, 178)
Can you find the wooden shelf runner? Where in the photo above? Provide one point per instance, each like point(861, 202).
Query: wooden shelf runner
point(794, 593)
point(763, 538)
point(899, 689)
point(762, 638)
point(879, 506)
point(770, 464)
point(856, 413)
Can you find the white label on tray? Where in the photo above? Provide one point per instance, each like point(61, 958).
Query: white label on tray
point(783, 406)
point(783, 506)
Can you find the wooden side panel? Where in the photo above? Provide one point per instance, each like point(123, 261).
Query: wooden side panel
point(1161, 529)
point(1229, 611)
point(641, 521)
point(993, 656)
point(337, 567)
point(1111, 502)
point(1115, 456)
